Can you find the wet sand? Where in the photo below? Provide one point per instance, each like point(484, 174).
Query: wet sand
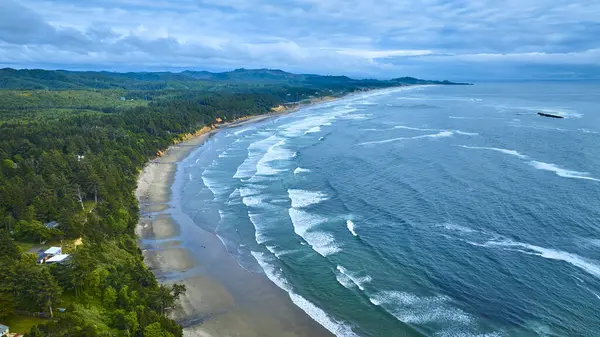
point(222, 298)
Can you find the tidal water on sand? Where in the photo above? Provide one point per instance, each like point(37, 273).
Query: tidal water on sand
point(437, 210)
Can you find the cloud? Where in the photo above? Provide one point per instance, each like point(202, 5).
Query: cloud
point(385, 38)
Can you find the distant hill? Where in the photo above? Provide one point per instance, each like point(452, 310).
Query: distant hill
point(64, 80)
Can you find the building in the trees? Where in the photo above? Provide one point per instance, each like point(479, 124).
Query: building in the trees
point(3, 330)
point(60, 258)
point(53, 251)
point(52, 224)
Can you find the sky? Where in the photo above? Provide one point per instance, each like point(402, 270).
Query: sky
point(436, 39)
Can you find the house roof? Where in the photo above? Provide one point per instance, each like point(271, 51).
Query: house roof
point(52, 224)
point(3, 328)
point(53, 250)
point(58, 258)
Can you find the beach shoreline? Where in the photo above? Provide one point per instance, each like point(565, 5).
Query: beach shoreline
point(171, 248)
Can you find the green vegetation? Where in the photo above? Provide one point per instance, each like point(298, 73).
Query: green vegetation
point(71, 146)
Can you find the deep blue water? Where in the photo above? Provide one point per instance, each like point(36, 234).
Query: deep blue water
point(442, 210)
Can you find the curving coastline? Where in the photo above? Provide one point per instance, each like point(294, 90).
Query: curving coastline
point(222, 299)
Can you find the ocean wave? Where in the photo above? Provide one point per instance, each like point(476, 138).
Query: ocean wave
point(589, 266)
point(300, 127)
point(299, 170)
point(358, 281)
point(565, 173)
point(351, 227)
point(357, 116)
point(278, 252)
point(413, 106)
point(505, 151)
point(260, 229)
point(344, 280)
point(411, 128)
point(276, 152)
point(234, 197)
point(459, 228)
point(413, 309)
point(587, 131)
point(562, 172)
point(243, 130)
point(463, 133)
point(313, 130)
point(303, 198)
point(256, 151)
point(485, 239)
point(436, 135)
point(475, 118)
point(304, 226)
point(304, 221)
point(224, 154)
point(275, 274)
point(214, 185)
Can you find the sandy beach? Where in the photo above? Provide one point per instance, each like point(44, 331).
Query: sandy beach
point(222, 299)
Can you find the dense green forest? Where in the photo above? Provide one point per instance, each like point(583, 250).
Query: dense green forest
point(71, 147)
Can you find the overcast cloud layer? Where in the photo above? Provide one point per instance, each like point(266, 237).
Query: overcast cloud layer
point(455, 39)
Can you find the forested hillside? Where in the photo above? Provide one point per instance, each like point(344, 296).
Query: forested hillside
point(204, 80)
point(71, 154)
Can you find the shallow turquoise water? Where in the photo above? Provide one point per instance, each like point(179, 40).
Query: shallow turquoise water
point(444, 211)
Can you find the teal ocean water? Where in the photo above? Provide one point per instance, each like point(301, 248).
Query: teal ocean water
point(438, 210)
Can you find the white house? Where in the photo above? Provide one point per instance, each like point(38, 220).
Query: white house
point(52, 224)
point(58, 258)
point(3, 330)
point(53, 251)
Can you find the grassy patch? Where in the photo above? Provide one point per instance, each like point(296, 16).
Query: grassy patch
point(22, 324)
point(25, 246)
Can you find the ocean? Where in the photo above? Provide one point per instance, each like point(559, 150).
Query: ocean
point(430, 210)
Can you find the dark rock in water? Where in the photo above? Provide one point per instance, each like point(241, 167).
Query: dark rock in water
point(549, 115)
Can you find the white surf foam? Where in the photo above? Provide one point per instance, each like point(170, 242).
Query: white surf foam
point(303, 198)
point(357, 116)
point(351, 227)
point(304, 221)
point(436, 135)
point(580, 262)
point(277, 152)
point(224, 154)
point(505, 151)
point(304, 226)
point(344, 280)
point(466, 133)
point(413, 309)
point(562, 172)
point(244, 130)
point(256, 151)
point(260, 230)
point(358, 281)
point(274, 274)
point(411, 128)
point(475, 118)
point(587, 131)
point(459, 228)
point(299, 170)
point(301, 127)
point(279, 252)
point(313, 130)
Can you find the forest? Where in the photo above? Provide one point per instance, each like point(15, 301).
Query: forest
point(71, 147)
